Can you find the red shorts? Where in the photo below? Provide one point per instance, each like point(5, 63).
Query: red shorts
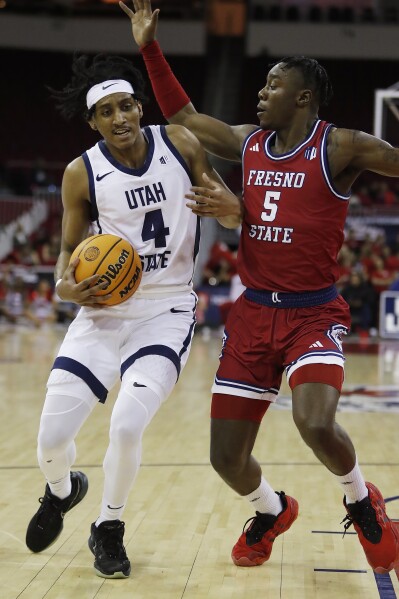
point(260, 343)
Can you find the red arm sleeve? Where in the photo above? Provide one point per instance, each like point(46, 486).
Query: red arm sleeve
point(169, 94)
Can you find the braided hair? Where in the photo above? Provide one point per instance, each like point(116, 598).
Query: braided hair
point(314, 75)
point(71, 100)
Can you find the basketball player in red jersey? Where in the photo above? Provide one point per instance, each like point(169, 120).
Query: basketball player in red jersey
point(297, 176)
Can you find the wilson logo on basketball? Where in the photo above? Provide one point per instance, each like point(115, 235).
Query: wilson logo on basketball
point(91, 253)
point(114, 269)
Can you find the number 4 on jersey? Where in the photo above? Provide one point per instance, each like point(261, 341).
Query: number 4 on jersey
point(154, 228)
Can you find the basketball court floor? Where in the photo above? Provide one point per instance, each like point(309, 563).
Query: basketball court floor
point(181, 519)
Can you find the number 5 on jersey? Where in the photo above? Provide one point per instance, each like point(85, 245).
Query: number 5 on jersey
point(270, 208)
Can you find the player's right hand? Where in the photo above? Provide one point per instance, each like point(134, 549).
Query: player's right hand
point(84, 293)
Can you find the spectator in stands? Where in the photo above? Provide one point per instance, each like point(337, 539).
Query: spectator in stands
point(221, 264)
point(351, 241)
point(346, 262)
point(381, 278)
point(363, 197)
point(49, 250)
point(391, 260)
point(25, 255)
point(41, 309)
point(14, 306)
point(366, 257)
point(360, 296)
point(386, 196)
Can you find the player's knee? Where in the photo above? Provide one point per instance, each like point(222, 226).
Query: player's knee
point(127, 426)
point(53, 441)
point(126, 434)
point(226, 463)
point(315, 434)
point(132, 413)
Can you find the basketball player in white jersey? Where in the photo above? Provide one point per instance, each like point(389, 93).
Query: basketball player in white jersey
point(132, 183)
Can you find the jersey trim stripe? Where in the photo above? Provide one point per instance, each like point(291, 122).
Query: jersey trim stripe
point(174, 151)
point(241, 385)
point(188, 339)
point(78, 369)
point(295, 150)
point(326, 168)
point(94, 215)
point(197, 238)
point(316, 357)
point(152, 350)
point(231, 387)
point(92, 188)
point(137, 172)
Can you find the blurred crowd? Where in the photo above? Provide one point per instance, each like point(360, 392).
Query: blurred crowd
point(368, 261)
point(27, 293)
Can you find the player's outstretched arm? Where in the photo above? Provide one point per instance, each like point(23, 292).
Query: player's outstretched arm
point(217, 137)
point(351, 152)
point(374, 154)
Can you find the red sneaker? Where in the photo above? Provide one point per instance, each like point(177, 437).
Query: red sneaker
point(377, 533)
point(256, 543)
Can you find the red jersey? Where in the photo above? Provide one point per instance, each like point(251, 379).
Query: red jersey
point(293, 225)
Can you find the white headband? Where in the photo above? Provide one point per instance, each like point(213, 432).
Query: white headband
point(112, 86)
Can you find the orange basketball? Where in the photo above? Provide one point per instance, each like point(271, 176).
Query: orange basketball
point(115, 260)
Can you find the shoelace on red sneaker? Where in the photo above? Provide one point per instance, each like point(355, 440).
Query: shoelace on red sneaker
point(260, 524)
point(366, 518)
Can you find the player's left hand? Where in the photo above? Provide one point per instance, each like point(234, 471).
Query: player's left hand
point(214, 200)
point(143, 19)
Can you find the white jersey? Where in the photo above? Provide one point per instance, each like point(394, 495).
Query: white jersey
point(147, 207)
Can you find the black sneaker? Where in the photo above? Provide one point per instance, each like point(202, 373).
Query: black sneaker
point(48, 522)
point(106, 544)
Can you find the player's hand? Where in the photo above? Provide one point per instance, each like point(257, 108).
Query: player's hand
point(84, 293)
point(143, 20)
point(213, 200)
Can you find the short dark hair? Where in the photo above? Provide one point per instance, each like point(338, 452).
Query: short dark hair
point(86, 72)
point(314, 75)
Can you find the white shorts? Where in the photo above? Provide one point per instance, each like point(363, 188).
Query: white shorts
point(99, 348)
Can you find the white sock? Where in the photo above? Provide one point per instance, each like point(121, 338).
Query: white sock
point(265, 500)
point(61, 488)
point(353, 485)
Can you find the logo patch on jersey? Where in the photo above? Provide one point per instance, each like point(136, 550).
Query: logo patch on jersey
point(254, 148)
point(224, 341)
point(310, 153)
point(316, 344)
point(99, 177)
point(164, 159)
point(336, 333)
